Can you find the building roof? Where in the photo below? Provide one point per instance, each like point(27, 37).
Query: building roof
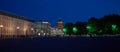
point(15, 16)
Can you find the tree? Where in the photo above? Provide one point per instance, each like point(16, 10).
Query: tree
point(93, 26)
point(81, 27)
point(75, 30)
point(68, 28)
point(111, 24)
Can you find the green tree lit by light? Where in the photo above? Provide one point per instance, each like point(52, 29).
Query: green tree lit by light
point(74, 29)
point(114, 27)
point(65, 30)
point(90, 29)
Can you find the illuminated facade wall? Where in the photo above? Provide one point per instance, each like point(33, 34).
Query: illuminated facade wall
point(42, 27)
point(56, 31)
point(59, 29)
point(10, 25)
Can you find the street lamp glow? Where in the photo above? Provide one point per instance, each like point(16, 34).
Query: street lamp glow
point(32, 29)
point(1, 26)
point(45, 22)
point(39, 34)
point(18, 27)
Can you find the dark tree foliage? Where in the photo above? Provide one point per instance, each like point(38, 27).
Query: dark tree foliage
point(113, 18)
point(109, 24)
point(94, 24)
point(81, 27)
point(69, 27)
point(108, 21)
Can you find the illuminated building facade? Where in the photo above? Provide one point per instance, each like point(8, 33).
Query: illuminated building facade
point(15, 25)
point(58, 30)
point(42, 28)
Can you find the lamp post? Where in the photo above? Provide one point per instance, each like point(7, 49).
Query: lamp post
point(1, 26)
point(32, 29)
point(18, 30)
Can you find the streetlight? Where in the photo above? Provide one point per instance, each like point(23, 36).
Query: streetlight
point(18, 27)
point(1, 26)
point(32, 29)
point(18, 30)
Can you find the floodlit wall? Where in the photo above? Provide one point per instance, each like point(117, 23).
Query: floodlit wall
point(14, 26)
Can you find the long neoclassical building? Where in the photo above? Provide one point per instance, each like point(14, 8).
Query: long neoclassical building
point(11, 24)
point(15, 25)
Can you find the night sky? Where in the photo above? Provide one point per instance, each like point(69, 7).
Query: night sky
point(68, 10)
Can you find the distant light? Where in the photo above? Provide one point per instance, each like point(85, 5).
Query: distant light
point(45, 22)
point(32, 29)
point(1, 26)
point(39, 34)
point(18, 27)
point(44, 34)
